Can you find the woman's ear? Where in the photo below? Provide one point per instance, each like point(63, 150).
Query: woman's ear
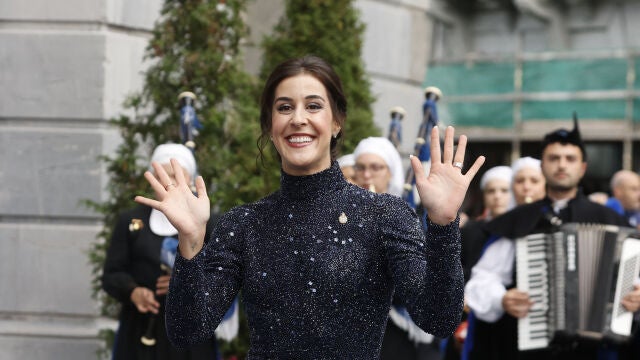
point(335, 130)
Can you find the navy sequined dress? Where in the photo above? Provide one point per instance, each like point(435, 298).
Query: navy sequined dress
point(317, 263)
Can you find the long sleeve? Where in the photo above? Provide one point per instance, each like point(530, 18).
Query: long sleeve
point(489, 278)
point(426, 270)
point(117, 280)
point(203, 288)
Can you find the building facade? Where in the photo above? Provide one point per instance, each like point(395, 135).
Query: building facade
point(523, 70)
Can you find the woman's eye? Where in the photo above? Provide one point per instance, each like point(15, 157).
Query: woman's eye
point(284, 108)
point(314, 107)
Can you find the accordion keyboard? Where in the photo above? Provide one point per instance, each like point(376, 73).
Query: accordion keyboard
point(532, 273)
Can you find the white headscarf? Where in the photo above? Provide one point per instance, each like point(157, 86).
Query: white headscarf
point(496, 172)
point(384, 148)
point(346, 160)
point(163, 153)
point(158, 222)
point(524, 162)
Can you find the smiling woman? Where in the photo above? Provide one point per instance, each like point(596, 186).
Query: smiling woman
point(318, 260)
point(302, 125)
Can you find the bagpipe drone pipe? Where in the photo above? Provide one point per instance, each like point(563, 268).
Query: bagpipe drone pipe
point(421, 148)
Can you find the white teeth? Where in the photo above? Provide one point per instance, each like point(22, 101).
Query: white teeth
point(300, 139)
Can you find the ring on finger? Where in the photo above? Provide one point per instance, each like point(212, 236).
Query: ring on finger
point(457, 164)
point(166, 187)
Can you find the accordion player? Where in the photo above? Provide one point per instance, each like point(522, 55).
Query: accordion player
point(577, 276)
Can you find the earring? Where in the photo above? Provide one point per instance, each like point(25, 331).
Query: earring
point(271, 138)
point(335, 136)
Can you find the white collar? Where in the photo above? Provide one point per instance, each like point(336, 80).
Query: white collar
point(559, 205)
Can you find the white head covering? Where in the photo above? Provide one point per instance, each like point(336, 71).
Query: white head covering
point(158, 222)
point(163, 153)
point(525, 162)
point(384, 148)
point(347, 160)
point(496, 172)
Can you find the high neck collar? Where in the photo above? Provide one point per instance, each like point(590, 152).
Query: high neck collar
point(309, 187)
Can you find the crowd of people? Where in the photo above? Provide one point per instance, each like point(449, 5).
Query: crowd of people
point(335, 264)
point(519, 199)
point(492, 292)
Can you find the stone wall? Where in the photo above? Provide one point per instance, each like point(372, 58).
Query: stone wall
point(66, 67)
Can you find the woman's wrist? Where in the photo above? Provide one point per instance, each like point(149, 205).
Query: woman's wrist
point(191, 244)
point(442, 220)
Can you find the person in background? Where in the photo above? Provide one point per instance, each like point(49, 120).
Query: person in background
point(133, 273)
point(378, 166)
point(346, 163)
point(625, 199)
point(318, 260)
point(496, 194)
point(528, 184)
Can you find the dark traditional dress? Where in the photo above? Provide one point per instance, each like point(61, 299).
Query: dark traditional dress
point(318, 262)
point(133, 259)
point(498, 340)
point(474, 238)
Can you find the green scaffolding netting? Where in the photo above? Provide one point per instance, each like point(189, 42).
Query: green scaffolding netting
point(474, 92)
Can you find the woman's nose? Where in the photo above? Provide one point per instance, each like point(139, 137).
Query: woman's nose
point(299, 117)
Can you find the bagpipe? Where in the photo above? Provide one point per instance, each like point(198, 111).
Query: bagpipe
point(168, 252)
point(421, 148)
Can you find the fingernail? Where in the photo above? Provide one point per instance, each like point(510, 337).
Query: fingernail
point(410, 156)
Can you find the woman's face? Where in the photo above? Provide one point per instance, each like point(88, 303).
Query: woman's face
point(497, 196)
point(528, 186)
point(302, 125)
point(371, 169)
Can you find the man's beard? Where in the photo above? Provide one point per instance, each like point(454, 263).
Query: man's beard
point(561, 187)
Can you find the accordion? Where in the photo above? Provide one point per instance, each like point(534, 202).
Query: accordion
point(576, 278)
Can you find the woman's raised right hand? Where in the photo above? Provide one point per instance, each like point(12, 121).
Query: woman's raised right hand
point(186, 211)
